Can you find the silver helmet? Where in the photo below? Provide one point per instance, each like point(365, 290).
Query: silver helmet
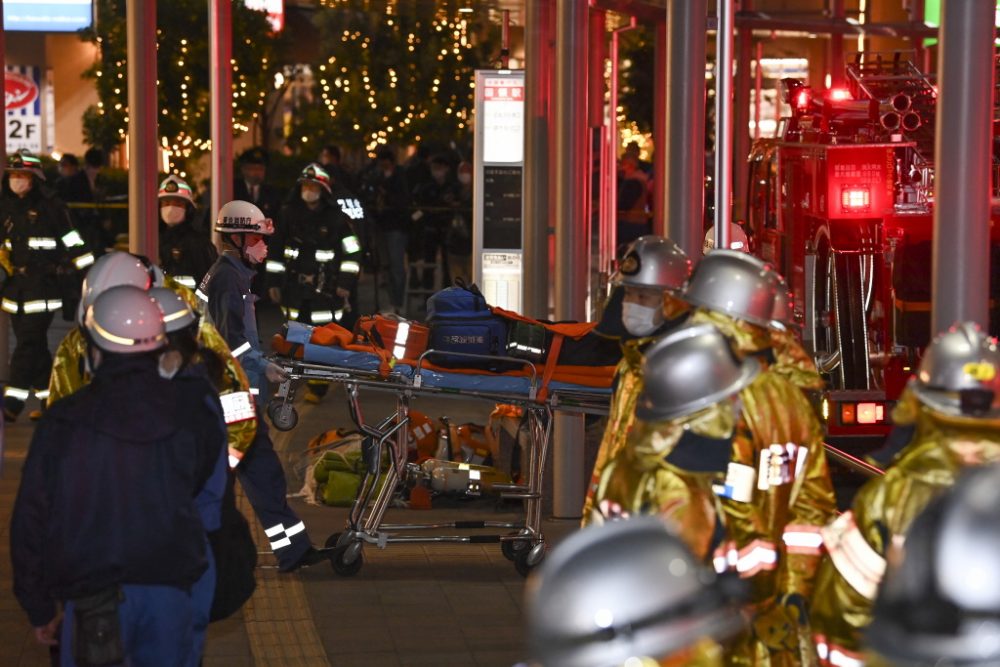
point(960, 373)
point(941, 604)
point(782, 316)
point(654, 261)
point(688, 370)
point(623, 589)
point(735, 284)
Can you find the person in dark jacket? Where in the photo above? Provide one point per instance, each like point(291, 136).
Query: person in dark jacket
point(231, 309)
point(185, 253)
point(40, 257)
point(87, 186)
point(105, 520)
point(435, 201)
point(252, 187)
point(388, 202)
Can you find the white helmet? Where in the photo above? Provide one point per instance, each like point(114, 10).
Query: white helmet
point(242, 217)
point(126, 320)
point(177, 314)
point(111, 270)
point(175, 186)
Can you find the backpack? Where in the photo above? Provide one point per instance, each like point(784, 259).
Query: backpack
point(461, 321)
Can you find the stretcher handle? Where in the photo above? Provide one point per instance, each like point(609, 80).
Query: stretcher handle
point(477, 357)
point(853, 462)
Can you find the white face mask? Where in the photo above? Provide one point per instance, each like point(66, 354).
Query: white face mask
point(641, 320)
point(20, 184)
point(173, 215)
point(310, 196)
point(465, 179)
point(170, 364)
point(257, 252)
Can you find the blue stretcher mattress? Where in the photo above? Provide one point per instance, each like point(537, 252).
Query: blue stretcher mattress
point(363, 361)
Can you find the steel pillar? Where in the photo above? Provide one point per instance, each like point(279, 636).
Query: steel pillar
point(660, 225)
point(572, 171)
point(220, 47)
point(685, 123)
point(741, 117)
point(724, 123)
point(143, 146)
point(538, 37)
point(963, 144)
point(836, 48)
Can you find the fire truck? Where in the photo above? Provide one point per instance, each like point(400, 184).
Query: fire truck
point(841, 203)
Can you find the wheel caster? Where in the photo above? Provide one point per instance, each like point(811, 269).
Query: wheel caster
point(347, 561)
point(529, 559)
point(284, 417)
point(338, 539)
point(511, 549)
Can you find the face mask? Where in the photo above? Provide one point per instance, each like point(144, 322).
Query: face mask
point(170, 364)
point(256, 253)
point(641, 320)
point(310, 196)
point(465, 179)
point(19, 184)
point(173, 215)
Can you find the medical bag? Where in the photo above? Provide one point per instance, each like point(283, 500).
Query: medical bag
point(461, 321)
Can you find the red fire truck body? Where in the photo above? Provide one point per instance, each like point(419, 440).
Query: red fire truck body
point(842, 205)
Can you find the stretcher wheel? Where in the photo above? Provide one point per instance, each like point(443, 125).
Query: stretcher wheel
point(338, 539)
point(529, 559)
point(347, 560)
point(511, 549)
point(284, 419)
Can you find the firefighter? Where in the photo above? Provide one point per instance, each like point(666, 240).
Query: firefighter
point(652, 275)
point(40, 255)
point(244, 228)
point(790, 358)
point(69, 371)
point(957, 426)
point(185, 253)
point(106, 519)
point(940, 603)
point(780, 444)
point(629, 593)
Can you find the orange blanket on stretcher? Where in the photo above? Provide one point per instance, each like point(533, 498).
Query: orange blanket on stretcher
point(588, 376)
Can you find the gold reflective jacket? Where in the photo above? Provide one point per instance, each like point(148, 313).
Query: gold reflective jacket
point(858, 542)
point(68, 375)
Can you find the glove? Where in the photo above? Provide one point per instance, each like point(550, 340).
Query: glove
point(275, 373)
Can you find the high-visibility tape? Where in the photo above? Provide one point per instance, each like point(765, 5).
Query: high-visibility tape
point(291, 253)
point(351, 244)
point(292, 313)
point(399, 351)
point(241, 349)
point(274, 266)
point(71, 239)
point(7, 244)
point(338, 315)
point(237, 406)
point(201, 295)
point(803, 539)
point(325, 255)
point(36, 306)
point(42, 243)
point(9, 306)
point(350, 267)
point(402, 333)
point(42, 394)
point(860, 565)
point(54, 304)
point(84, 260)
point(725, 557)
point(274, 530)
point(254, 391)
point(187, 281)
point(16, 393)
point(296, 529)
point(756, 557)
point(322, 316)
point(233, 461)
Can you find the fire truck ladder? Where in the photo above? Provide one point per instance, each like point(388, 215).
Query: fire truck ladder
point(905, 95)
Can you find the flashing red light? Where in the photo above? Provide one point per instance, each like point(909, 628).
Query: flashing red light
point(870, 413)
point(839, 94)
point(855, 199)
point(802, 99)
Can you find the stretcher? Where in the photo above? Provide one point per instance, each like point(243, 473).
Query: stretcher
point(523, 543)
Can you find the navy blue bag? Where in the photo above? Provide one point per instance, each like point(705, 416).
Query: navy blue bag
point(461, 321)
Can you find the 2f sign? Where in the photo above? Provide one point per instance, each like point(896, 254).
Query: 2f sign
point(24, 132)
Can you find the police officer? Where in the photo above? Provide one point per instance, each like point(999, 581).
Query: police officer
point(316, 254)
point(243, 228)
point(435, 202)
point(105, 520)
point(652, 275)
point(628, 593)
point(779, 445)
point(185, 253)
point(957, 425)
point(40, 254)
point(940, 604)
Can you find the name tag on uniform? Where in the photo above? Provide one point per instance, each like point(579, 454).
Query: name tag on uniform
point(738, 485)
point(237, 407)
point(780, 464)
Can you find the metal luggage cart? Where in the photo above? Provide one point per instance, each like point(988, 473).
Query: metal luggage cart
point(523, 543)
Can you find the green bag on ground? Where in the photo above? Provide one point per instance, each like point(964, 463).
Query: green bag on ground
point(340, 475)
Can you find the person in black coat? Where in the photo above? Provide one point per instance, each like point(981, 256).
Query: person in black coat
point(185, 253)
